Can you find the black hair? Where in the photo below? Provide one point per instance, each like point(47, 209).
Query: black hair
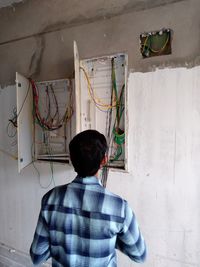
point(87, 150)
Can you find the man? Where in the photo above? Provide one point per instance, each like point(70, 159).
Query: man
point(81, 223)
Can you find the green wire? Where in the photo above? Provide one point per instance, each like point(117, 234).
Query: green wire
point(114, 87)
point(119, 138)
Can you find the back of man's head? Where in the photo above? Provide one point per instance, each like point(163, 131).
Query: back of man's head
point(87, 150)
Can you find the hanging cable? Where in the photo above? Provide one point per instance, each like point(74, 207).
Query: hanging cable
point(147, 46)
point(13, 119)
point(48, 122)
point(98, 102)
point(38, 173)
point(118, 134)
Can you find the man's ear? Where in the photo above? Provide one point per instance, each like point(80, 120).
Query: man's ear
point(104, 160)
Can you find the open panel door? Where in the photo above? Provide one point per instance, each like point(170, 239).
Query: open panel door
point(24, 121)
point(77, 88)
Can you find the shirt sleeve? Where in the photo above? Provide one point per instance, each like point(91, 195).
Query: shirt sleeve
point(130, 240)
point(40, 248)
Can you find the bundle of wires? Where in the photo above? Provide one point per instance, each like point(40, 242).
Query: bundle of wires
point(48, 123)
point(119, 135)
point(98, 102)
point(149, 40)
point(13, 119)
point(115, 134)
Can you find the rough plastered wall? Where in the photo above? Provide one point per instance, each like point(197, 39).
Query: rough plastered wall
point(164, 206)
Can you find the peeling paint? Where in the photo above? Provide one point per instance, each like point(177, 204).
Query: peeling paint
point(188, 62)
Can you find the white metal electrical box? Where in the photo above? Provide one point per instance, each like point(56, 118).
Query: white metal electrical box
point(101, 100)
point(46, 120)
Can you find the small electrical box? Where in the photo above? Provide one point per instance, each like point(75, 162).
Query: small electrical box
point(156, 43)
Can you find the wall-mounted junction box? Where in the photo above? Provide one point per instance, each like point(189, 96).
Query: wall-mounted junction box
point(156, 43)
point(102, 101)
point(34, 141)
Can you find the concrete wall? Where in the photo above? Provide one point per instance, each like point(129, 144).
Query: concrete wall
point(164, 206)
point(42, 51)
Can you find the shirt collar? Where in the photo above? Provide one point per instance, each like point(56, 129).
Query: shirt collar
point(87, 180)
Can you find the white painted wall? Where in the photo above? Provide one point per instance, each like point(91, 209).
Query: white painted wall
point(164, 156)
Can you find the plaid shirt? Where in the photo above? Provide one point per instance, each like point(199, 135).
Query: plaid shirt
point(80, 225)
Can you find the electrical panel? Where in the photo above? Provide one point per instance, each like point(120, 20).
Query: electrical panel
point(50, 113)
point(101, 83)
point(56, 108)
point(46, 120)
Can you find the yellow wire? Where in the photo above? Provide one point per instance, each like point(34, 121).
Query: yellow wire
point(145, 43)
point(161, 49)
point(95, 98)
point(152, 50)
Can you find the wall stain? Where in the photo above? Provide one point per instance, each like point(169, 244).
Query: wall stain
point(36, 58)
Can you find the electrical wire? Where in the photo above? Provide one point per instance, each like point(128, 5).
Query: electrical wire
point(48, 122)
point(149, 46)
point(11, 127)
point(11, 130)
point(56, 114)
point(13, 120)
point(38, 173)
point(41, 121)
point(163, 47)
point(49, 103)
point(51, 114)
point(116, 136)
point(49, 153)
point(39, 178)
point(102, 106)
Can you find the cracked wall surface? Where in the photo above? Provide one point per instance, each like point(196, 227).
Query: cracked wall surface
point(37, 36)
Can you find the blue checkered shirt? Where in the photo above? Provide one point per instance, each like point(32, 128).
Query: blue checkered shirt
point(80, 225)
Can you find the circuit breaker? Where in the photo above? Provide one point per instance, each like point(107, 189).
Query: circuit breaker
point(101, 102)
